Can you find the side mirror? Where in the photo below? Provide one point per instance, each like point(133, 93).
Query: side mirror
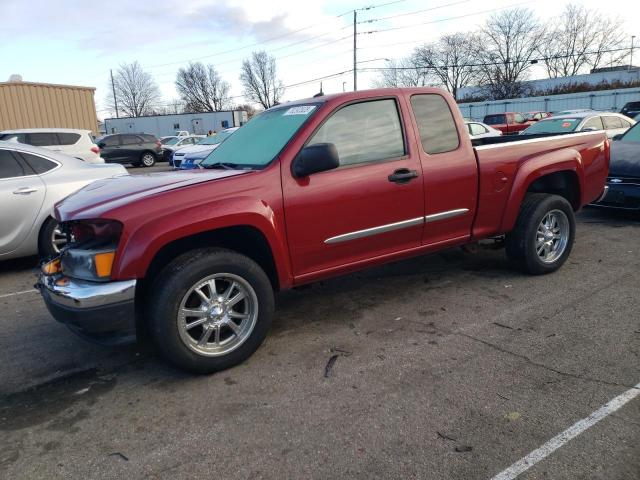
point(315, 158)
point(618, 136)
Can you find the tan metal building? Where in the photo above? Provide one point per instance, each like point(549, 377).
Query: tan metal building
point(45, 105)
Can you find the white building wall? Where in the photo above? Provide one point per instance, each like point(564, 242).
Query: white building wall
point(604, 100)
point(164, 125)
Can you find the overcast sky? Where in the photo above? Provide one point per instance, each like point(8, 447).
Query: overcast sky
point(77, 42)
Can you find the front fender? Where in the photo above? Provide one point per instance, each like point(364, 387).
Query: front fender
point(138, 247)
point(566, 159)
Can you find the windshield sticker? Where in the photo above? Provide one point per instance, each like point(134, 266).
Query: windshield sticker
point(300, 110)
point(566, 124)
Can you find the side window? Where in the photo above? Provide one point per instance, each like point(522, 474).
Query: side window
point(438, 132)
point(611, 123)
point(42, 139)
point(130, 139)
point(518, 118)
point(595, 122)
point(364, 132)
point(38, 164)
point(625, 124)
point(112, 141)
point(9, 166)
point(68, 138)
point(477, 129)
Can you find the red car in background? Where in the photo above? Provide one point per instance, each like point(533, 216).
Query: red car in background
point(509, 123)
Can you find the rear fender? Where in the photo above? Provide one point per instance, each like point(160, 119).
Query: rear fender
point(564, 160)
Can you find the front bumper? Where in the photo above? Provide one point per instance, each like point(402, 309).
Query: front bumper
point(102, 312)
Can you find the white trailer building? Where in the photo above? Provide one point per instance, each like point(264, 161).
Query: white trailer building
point(164, 125)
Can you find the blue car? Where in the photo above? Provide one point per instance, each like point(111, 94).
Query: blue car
point(190, 157)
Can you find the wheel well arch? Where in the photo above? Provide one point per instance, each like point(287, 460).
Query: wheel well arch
point(244, 239)
point(564, 183)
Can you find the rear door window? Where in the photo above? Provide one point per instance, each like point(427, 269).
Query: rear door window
point(477, 129)
point(68, 138)
point(9, 165)
point(42, 139)
point(438, 131)
point(495, 119)
point(38, 164)
point(595, 122)
point(364, 132)
point(612, 123)
point(130, 139)
point(112, 141)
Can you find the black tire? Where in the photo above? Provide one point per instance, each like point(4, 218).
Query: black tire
point(148, 159)
point(174, 283)
point(520, 243)
point(46, 247)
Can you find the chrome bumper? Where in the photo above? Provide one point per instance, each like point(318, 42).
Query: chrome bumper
point(101, 312)
point(80, 294)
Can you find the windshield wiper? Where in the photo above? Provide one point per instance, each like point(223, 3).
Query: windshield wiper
point(223, 165)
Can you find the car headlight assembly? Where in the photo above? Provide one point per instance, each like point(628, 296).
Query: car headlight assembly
point(90, 254)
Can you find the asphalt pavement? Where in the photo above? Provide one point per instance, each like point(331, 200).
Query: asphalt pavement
point(449, 366)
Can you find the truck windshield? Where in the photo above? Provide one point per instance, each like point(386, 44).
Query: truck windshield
point(258, 142)
point(554, 125)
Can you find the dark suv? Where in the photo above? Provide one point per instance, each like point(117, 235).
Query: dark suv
point(631, 109)
point(137, 149)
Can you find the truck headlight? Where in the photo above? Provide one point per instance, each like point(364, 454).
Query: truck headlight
point(91, 251)
point(92, 265)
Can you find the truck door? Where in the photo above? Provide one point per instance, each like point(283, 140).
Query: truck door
point(449, 167)
point(371, 205)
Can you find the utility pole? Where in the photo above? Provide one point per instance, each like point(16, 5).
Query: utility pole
point(115, 99)
point(633, 37)
point(355, 58)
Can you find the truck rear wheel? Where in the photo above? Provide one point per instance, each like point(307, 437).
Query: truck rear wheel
point(210, 310)
point(543, 235)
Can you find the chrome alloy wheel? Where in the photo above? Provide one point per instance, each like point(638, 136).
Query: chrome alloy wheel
point(58, 239)
point(217, 314)
point(552, 236)
point(148, 160)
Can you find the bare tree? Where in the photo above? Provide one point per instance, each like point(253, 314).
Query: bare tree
point(135, 90)
point(251, 111)
point(260, 79)
point(581, 39)
point(451, 60)
point(405, 72)
point(202, 89)
point(508, 42)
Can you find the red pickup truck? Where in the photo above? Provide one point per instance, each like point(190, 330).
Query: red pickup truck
point(305, 191)
point(509, 123)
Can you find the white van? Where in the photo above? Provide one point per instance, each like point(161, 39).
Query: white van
point(75, 143)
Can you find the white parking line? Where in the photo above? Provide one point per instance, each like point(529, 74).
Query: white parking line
point(573, 431)
point(18, 293)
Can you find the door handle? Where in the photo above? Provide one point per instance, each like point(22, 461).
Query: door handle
point(403, 175)
point(25, 191)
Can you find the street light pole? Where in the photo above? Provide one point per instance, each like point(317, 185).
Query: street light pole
point(633, 37)
point(115, 99)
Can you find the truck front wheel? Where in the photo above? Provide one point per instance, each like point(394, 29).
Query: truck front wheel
point(542, 238)
point(210, 310)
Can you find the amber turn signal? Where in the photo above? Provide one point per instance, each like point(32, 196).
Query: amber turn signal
point(103, 263)
point(52, 267)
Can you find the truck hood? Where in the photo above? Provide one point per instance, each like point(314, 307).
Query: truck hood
point(103, 195)
point(625, 159)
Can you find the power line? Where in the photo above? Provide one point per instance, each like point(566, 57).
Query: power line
point(446, 19)
point(414, 12)
point(532, 61)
